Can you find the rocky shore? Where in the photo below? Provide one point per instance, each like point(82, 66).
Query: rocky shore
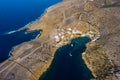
point(97, 19)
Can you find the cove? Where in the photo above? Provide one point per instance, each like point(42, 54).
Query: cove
point(15, 14)
point(8, 41)
point(68, 63)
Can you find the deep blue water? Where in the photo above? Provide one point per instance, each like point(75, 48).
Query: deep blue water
point(15, 14)
point(68, 63)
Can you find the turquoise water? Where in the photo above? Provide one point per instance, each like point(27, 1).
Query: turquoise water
point(15, 14)
point(68, 63)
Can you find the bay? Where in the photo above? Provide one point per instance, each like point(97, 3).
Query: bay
point(68, 63)
point(15, 14)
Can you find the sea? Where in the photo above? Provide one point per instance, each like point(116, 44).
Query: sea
point(68, 63)
point(14, 15)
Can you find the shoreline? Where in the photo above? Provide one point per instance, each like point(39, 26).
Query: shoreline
point(37, 55)
point(36, 20)
point(61, 56)
point(26, 27)
point(35, 40)
point(32, 22)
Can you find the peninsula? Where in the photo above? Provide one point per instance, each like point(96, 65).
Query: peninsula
point(97, 19)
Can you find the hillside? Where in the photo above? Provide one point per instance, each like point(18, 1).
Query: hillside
point(97, 19)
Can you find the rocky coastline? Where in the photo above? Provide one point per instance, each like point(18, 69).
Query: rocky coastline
point(97, 19)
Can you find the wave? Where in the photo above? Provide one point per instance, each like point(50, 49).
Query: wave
point(14, 31)
point(22, 28)
point(11, 32)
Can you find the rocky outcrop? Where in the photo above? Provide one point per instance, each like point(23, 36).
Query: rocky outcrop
point(102, 57)
point(97, 19)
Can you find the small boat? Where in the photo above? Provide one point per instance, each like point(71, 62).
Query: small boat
point(72, 45)
point(70, 54)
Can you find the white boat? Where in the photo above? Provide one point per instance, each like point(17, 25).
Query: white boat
point(70, 54)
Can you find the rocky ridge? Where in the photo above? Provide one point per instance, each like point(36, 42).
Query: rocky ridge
point(97, 19)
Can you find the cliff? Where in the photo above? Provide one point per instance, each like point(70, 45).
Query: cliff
point(97, 19)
